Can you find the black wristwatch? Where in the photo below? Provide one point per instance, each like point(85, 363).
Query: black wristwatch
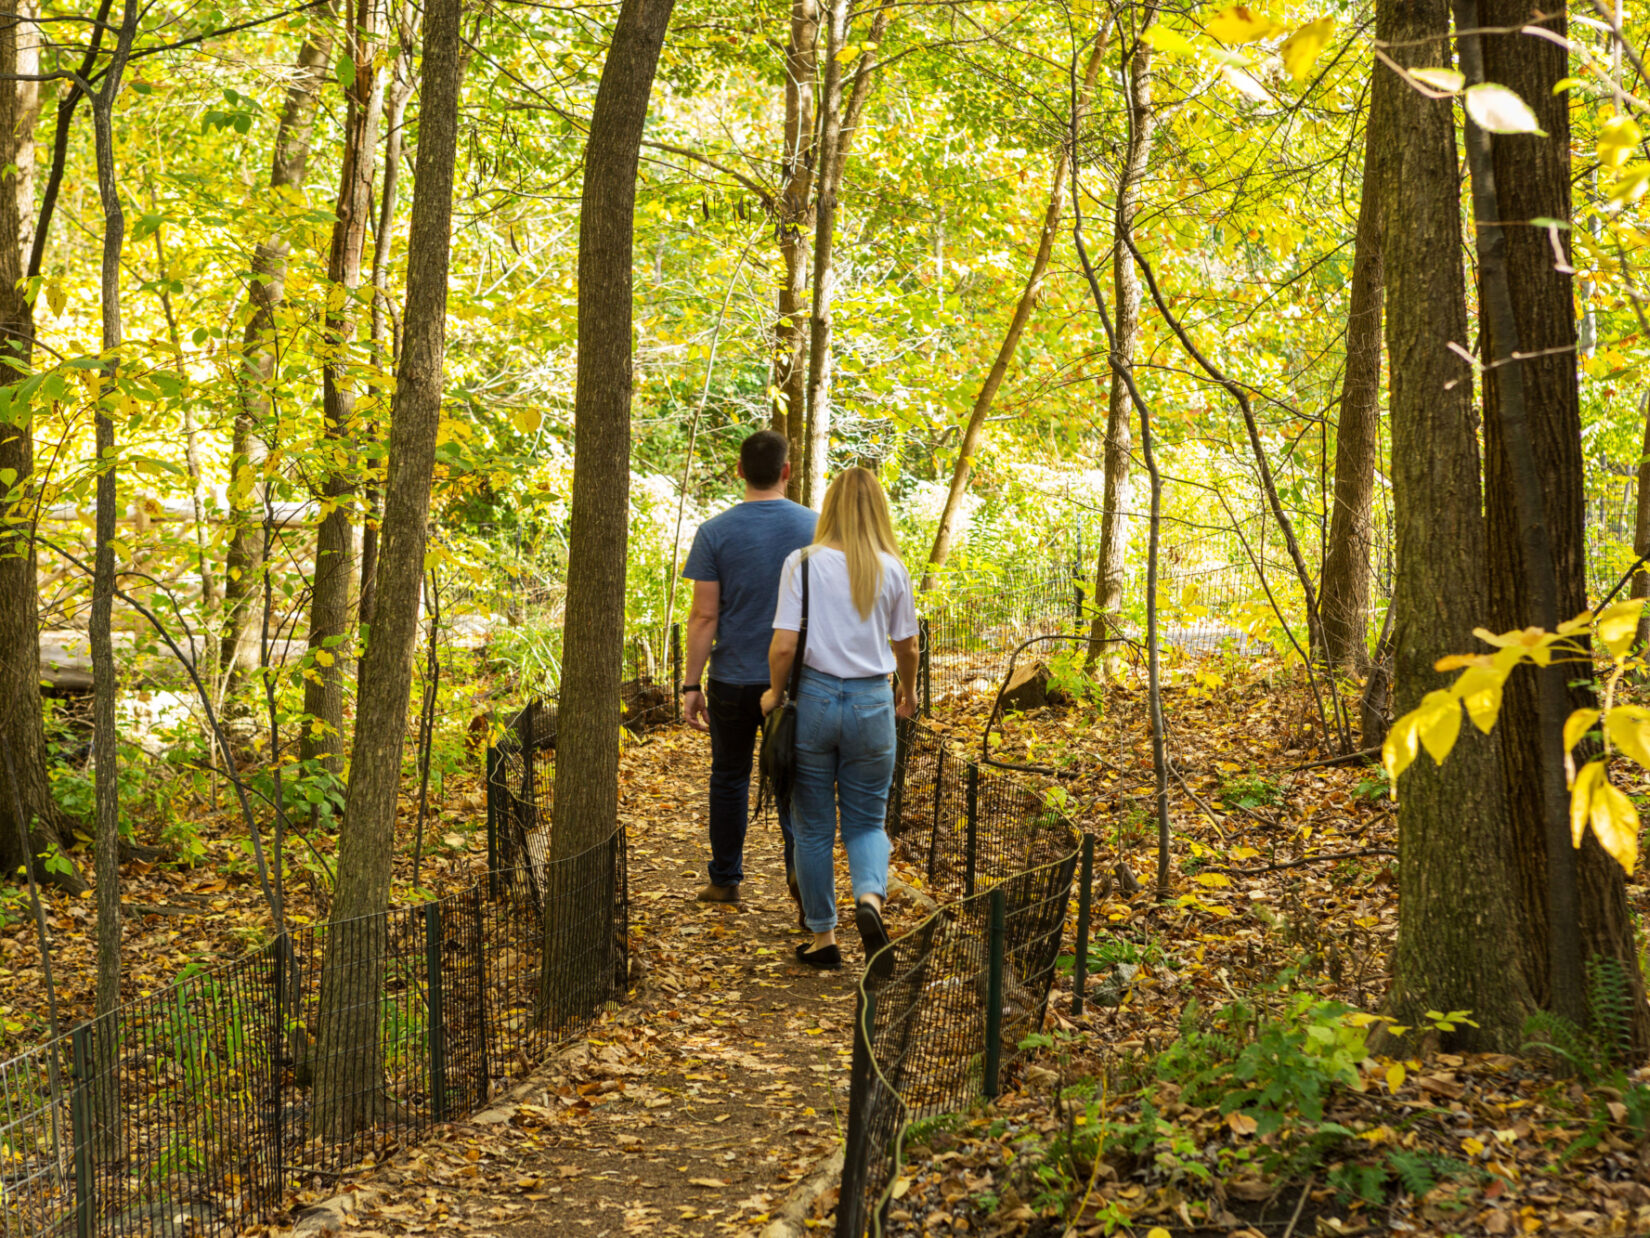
point(691, 687)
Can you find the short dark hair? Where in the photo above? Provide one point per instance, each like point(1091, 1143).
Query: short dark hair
point(763, 457)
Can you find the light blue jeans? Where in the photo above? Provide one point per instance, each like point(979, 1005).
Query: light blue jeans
point(844, 758)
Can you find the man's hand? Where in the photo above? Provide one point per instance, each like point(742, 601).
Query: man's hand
point(770, 701)
point(905, 703)
point(695, 711)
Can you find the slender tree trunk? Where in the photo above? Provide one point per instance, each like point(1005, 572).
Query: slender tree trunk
point(974, 432)
point(243, 563)
point(838, 125)
point(383, 346)
point(1346, 565)
point(792, 207)
point(21, 718)
point(348, 1051)
point(105, 753)
point(323, 738)
point(1641, 519)
point(1111, 560)
point(1574, 903)
point(1456, 932)
point(587, 745)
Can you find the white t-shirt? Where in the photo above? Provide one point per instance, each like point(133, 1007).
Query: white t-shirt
point(840, 643)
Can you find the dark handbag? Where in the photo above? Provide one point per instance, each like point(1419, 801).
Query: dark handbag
point(778, 761)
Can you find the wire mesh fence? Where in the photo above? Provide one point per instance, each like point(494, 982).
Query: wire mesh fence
point(195, 1109)
point(943, 1009)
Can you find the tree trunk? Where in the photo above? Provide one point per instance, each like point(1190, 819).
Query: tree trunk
point(1346, 564)
point(322, 739)
point(837, 127)
point(1111, 561)
point(974, 432)
point(792, 207)
point(1456, 946)
point(1641, 520)
point(243, 561)
point(587, 747)
point(1532, 180)
point(105, 751)
point(21, 718)
point(349, 1054)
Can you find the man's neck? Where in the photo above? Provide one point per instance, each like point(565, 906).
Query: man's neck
point(753, 495)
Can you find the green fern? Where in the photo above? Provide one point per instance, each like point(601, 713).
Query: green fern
point(1610, 1003)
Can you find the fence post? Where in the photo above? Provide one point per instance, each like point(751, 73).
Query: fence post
point(435, 1016)
point(973, 828)
point(676, 666)
point(850, 1222)
point(494, 761)
point(1077, 604)
point(481, 996)
point(939, 800)
point(80, 1124)
point(994, 991)
point(1085, 895)
point(924, 664)
point(277, 1056)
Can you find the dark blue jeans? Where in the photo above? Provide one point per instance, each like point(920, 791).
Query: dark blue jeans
point(735, 719)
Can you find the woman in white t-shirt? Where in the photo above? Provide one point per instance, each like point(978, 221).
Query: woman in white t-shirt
point(862, 625)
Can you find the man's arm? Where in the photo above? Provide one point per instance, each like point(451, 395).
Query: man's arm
point(905, 690)
point(781, 653)
point(701, 634)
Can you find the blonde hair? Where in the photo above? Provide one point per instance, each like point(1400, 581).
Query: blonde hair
point(855, 516)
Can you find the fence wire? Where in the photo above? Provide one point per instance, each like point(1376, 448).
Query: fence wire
point(194, 1110)
point(942, 1010)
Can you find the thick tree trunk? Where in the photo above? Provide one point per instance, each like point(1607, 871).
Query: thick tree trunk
point(1458, 923)
point(974, 432)
point(322, 739)
point(21, 719)
point(792, 206)
point(587, 746)
point(1532, 180)
point(1111, 561)
point(348, 1051)
point(1346, 564)
point(243, 563)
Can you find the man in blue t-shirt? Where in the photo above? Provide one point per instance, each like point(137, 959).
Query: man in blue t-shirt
point(734, 566)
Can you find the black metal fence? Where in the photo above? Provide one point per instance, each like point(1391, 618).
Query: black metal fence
point(195, 1109)
point(942, 1010)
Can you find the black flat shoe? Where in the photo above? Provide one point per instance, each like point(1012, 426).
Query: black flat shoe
point(827, 959)
point(874, 934)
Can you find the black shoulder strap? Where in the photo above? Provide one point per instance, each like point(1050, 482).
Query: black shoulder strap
point(801, 635)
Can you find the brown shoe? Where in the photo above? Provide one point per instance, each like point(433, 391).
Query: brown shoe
point(718, 894)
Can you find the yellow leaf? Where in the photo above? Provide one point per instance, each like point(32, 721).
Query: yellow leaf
point(1581, 798)
point(527, 420)
point(1439, 724)
point(1238, 24)
point(1300, 49)
point(1616, 825)
point(1479, 688)
point(1395, 1076)
point(1618, 137)
point(1628, 728)
point(1212, 879)
point(1577, 725)
point(1447, 80)
point(1618, 623)
point(323, 658)
point(1399, 747)
point(1157, 1231)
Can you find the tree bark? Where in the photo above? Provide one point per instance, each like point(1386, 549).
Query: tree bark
point(1111, 561)
point(21, 718)
point(105, 741)
point(1346, 564)
point(587, 745)
point(974, 432)
point(322, 739)
point(348, 1057)
point(243, 561)
point(792, 206)
point(837, 127)
point(1534, 295)
point(1457, 927)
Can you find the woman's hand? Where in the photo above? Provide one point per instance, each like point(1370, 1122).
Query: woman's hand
point(770, 701)
point(905, 703)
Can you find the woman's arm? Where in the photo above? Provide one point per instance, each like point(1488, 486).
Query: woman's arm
point(781, 653)
point(905, 687)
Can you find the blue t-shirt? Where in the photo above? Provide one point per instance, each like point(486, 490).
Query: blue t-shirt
point(743, 549)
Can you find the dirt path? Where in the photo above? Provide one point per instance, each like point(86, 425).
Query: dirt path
point(692, 1109)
